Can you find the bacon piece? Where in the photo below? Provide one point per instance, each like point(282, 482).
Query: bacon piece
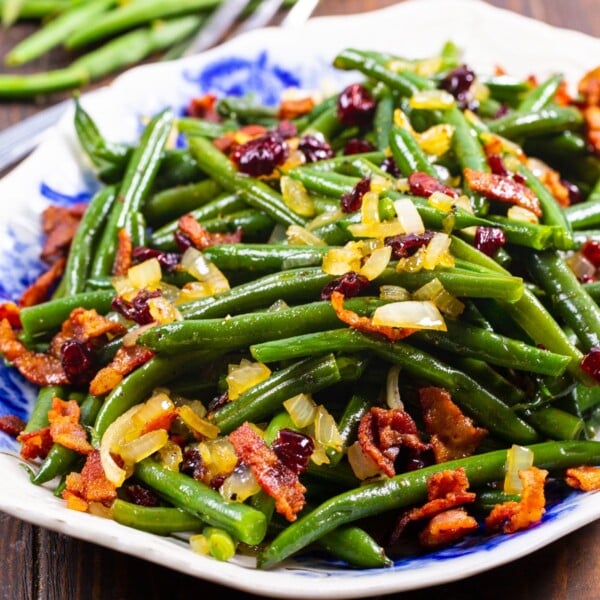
point(277, 480)
point(295, 107)
point(445, 490)
point(591, 115)
point(60, 223)
point(204, 107)
point(65, 427)
point(589, 87)
point(453, 435)
point(35, 444)
point(586, 478)
point(39, 290)
point(38, 368)
point(123, 254)
point(10, 311)
point(125, 361)
point(229, 140)
point(91, 485)
point(447, 527)
point(382, 433)
point(422, 184)
point(512, 516)
point(365, 324)
point(551, 179)
point(11, 425)
point(503, 188)
point(202, 238)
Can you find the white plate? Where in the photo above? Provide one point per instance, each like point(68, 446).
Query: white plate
point(267, 61)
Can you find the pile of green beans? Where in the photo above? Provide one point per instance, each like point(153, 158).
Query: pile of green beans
point(104, 36)
point(515, 358)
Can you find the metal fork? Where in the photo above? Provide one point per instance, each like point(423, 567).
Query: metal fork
point(17, 141)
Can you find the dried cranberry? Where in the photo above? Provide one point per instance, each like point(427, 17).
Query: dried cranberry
point(422, 184)
point(261, 155)
point(140, 495)
point(496, 165)
point(358, 146)
point(293, 449)
point(352, 201)
point(182, 240)
point(591, 363)
point(406, 244)
point(350, 284)
point(314, 148)
point(518, 178)
point(78, 362)
point(203, 108)
point(167, 260)
point(356, 106)
point(192, 464)
point(137, 310)
point(502, 111)
point(591, 250)
point(390, 166)
point(575, 195)
point(458, 83)
point(286, 129)
point(489, 239)
point(218, 402)
point(11, 425)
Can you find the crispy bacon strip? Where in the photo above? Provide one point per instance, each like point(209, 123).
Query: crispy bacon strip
point(453, 435)
point(202, 238)
point(123, 254)
point(60, 223)
point(586, 478)
point(365, 324)
point(10, 311)
point(204, 107)
point(35, 444)
point(551, 179)
point(125, 361)
point(275, 478)
point(90, 485)
point(447, 527)
point(383, 432)
point(512, 516)
point(11, 425)
point(38, 368)
point(295, 107)
point(589, 87)
point(39, 290)
point(503, 188)
point(229, 140)
point(445, 490)
point(65, 427)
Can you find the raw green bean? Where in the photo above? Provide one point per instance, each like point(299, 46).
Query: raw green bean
point(408, 154)
point(541, 95)
point(518, 124)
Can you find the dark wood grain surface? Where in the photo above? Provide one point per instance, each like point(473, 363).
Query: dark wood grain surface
point(40, 564)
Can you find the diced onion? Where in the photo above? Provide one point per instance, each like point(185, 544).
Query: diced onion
point(296, 197)
point(363, 466)
point(146, 275)
point(408, 216)
point(441, 201)
point(196, 423)
point(517, 458)
point(218, 456)
point(380, 184)
point(338, 261)
point(170, 456)
point(376, 262)
point(432, 100)
point(244, 376)
point(369, 210)
point(435, 291)
point(143, 446)
point(410, 314)
point(376, 230)
point(199, 544)
point(393, 293)
point(301, 236)
point(240, 485)
point(392, 391)
point(437, 252)
point(437, 139)
point(302, 409)
point(518, 213)
point(326, 431)
point(581, 266)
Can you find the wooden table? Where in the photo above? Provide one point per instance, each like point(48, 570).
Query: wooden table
point(40, 564)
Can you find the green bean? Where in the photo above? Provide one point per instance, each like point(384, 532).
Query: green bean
point(465, 141)
point(408, 154)
point(84, 240)
point(60, 460)
point(410, 488)
point(555, 424)
point(541, 95)
point(384, 118)
point(191, 126)
point(568, 297)
point(516, 125)
point(507, 89)
point(241, 520)
point(476, 400)
point(294, 285)
point(255, 192)
point(325, 123)
point(55, 31)
point(240, 331)
point(162, 520)
point(326, 183)
point(134, 189)
point(48, 316)
point(131, 15)
point(39, 9)
point(305, 376)
point(467, 340)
